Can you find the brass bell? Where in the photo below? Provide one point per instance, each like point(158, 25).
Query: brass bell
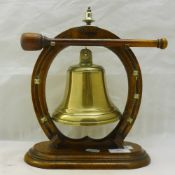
point(85, 100)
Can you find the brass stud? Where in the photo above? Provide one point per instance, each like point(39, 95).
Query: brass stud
point(44, 119)
point(135, 73)
point(129, 120)
point(52, 43)
point(136, 96)
point(37, 80)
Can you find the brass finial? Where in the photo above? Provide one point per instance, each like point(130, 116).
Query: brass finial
point(88, 17)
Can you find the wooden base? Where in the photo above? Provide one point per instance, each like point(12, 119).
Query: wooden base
point(43, 155)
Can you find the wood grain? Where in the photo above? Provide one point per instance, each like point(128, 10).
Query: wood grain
point(113, 140)
point(34, 41)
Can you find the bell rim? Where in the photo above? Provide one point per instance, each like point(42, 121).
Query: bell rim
point(76, 123)
point(114, 116)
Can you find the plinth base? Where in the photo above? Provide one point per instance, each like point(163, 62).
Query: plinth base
point(42, 155)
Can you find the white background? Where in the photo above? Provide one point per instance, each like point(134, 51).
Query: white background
point(154, 129)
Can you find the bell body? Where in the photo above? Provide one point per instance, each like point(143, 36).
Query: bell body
point(85, 100)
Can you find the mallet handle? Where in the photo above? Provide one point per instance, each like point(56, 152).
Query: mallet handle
point(34, 41)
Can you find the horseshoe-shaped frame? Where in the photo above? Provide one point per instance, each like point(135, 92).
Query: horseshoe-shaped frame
point(134, 76)
point(65, 152)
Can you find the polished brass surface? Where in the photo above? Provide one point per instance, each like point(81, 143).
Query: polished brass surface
point(86, 101)
point(88, 17)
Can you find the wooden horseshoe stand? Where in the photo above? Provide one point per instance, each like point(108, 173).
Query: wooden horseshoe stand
point(63, 152)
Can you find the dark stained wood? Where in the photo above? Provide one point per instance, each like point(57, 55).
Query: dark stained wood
point(114, 140)
point(43, 155)
point(36, 41)
point(31, 41)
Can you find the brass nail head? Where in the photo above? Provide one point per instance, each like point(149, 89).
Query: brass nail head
point(88, 17)
point(129, 120)
point(135, 73)
point(136, 96)
point(37, 81)
point(44, 119)
point(52, 43)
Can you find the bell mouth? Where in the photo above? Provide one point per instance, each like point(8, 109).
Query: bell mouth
point(87, 119)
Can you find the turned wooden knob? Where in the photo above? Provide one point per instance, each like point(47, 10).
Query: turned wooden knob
point(32, 41)
point(162, 43)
